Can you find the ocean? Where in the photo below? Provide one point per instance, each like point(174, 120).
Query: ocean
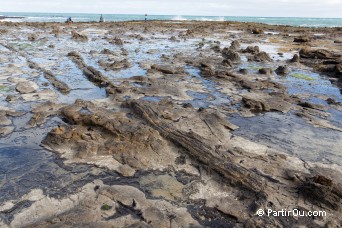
point(77, 17)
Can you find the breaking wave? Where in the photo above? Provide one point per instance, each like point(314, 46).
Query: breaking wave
point(179, 18)
point(194, 18)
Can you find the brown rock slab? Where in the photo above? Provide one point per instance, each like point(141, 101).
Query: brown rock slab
point(252, 50)
point(6, 130)
point(26, 87)
point(79, 37)
point(260, 57)
point(263, 102)
point(317, 54)
point(167, 69)
point(282, 70)
point(267, 71)
point(164, 186)
point(302, 39)
point(231, 55)
point(257, 31)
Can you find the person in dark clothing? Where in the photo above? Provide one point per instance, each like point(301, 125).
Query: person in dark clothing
point(101, 19)
point(145, 17)
point(69, 20)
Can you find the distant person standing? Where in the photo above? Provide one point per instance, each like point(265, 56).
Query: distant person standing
point(145, 17)
point(101, 19)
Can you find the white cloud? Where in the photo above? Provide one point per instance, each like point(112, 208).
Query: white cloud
point(304, 8)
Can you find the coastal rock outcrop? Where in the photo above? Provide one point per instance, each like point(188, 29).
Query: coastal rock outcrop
point(116, 41)
point(267, 71)
point(282, 70)
point(58, 84)
point(116, 65)
point(231, 55)
point(192, 135)
point(112, 135)
point(338, 70)
point(167, 69)
point(227, 63)
point(90, 72)
point(106, 51)
point(6, 130)
point(56, 31)
point(317, 54)
point(252, 50)
point(260, 102)
point(101, 205)
point(207, 70)
point(235, 45)
point(257, 31)
point(32, 37)
point(302, 39)
point(295, 59)
point(324, 61)
point(79, 37)
point(322, 190)
point(260, 57)
point(26, 87)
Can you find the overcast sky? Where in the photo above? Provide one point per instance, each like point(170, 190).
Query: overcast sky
point(281, 8)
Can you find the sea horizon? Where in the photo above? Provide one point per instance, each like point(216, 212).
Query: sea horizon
point(188, 15)
point(91, 17)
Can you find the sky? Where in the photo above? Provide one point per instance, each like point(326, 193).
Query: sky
point(265, 8)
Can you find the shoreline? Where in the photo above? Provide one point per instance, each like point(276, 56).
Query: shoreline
point(194, 19)
point(240, 25)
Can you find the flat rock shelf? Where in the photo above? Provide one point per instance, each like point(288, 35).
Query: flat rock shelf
point(164, 124)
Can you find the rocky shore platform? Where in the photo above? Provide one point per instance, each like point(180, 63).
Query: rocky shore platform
point(170, 124)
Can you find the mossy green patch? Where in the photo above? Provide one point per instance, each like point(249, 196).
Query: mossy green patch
point(254, 67)
point(40, 43)
point(5, 88)
point(25, 47)
point(302, 76)
point(22, 46)
point(106, 207)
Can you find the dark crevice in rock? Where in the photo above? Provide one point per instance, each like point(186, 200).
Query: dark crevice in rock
point(8, 215)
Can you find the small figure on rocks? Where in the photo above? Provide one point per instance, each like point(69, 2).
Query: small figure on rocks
point(69, 21)
point(101, 19)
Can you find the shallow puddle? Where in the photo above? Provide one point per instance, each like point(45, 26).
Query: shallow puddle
point(212, 96)
point(293, 135)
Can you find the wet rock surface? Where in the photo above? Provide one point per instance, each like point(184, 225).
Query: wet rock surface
point(322, 60)
point(80, 37)
point(252, 50)
point(282, 70)
point(231, 55)
point(26, 87)
point(169, 125)
point(257, 31)
point(260, 57)
point(302, 39)
point(265, 71)
point(167, 69)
